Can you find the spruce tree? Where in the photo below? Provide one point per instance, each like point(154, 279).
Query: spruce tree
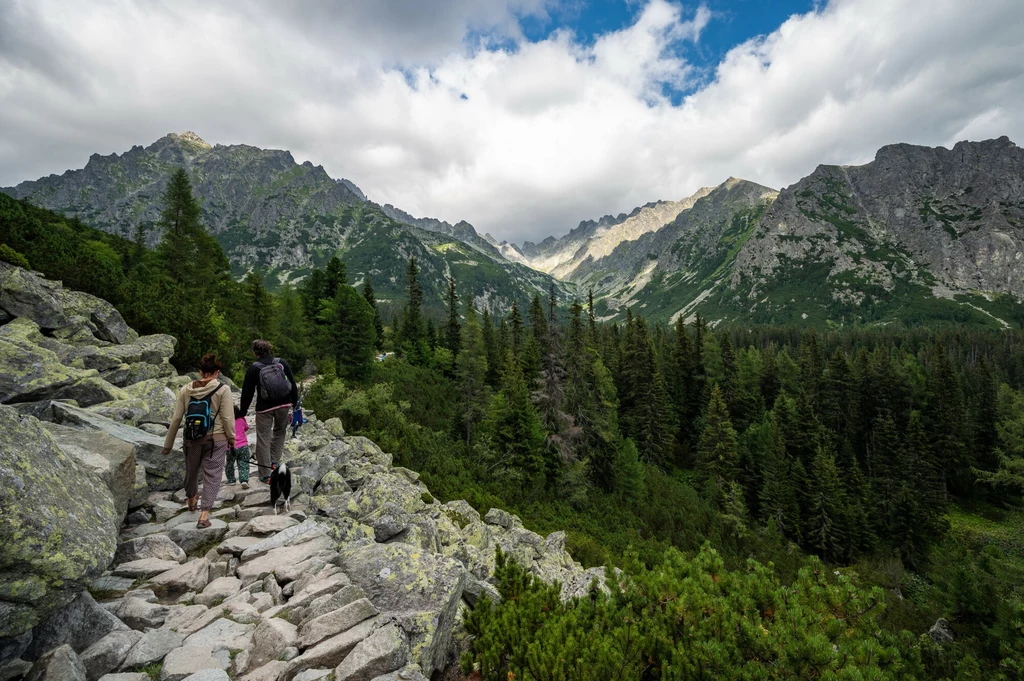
point(413, 336)
point(515, 329)
point(350, 320)
point(259, 312)
point(490, 346)
point(824, 526)
point(513, 424)
point(453, 330)
point(885, 477)
point(471, 372)
point(717, 456)
point(778, 494)
point(378, 325)
point(335, 276)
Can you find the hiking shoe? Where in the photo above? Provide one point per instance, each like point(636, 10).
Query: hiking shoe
point(266, 480)
point(245, 485)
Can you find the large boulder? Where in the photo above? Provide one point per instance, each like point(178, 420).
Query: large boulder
point(29, 372)
point(111, 459)
point(106, 322)
point(60, 664)
point(420, 591)
point(58, 524)
point(79, 624)
point(24, 294)
point(163, 473)
point(384, 651)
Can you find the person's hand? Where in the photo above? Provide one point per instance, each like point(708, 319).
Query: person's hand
point(165, 451)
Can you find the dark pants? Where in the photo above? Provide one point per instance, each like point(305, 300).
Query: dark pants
point(207, 457)
point(240, 459)
point(271, 427)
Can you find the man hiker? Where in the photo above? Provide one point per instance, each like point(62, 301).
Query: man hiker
point(277, 392)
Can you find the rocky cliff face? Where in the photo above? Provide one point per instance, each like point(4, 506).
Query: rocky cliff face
point(103, 571)
point(271, 213)
point(920, 235)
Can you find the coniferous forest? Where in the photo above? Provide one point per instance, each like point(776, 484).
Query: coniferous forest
point(771, 502)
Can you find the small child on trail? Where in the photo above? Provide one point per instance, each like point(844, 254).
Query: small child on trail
point(240, 454)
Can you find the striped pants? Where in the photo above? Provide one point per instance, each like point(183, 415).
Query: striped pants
point(209, 457)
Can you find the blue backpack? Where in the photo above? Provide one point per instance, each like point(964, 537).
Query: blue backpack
point(199, 416)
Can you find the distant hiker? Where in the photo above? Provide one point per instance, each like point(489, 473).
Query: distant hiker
point(274, 380)
point(205, 408)
point(239, 456)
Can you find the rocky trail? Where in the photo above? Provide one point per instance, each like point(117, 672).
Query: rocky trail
point(104, 575)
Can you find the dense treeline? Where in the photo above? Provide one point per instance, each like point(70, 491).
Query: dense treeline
point(897, 456)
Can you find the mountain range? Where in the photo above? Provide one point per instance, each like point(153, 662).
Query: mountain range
point(919, 235)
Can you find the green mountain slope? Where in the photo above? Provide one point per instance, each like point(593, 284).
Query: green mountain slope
point(271, 213)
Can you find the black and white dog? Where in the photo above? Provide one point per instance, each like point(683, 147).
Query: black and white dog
point(280, 486)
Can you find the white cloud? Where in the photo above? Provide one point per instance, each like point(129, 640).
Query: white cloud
point(522, 139)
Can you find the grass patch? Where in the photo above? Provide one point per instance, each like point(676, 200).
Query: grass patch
point(153, 670)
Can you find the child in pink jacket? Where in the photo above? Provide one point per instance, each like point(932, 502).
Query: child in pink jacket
point(239, 456)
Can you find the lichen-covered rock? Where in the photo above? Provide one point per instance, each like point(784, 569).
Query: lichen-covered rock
point(189, 537)
point(335, 427)
point(427, 588)
point(162, 472)
point(29, 372)
point(24, 294)
point(58, 524)
point(90, 390)
point(333, 623)
point(106, 321)
point(385, 650)
point(332, 652)
point(111, 459)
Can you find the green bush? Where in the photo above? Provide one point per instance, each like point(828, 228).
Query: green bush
point(8, 254)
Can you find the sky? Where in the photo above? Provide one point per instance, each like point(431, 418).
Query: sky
point(523, 117)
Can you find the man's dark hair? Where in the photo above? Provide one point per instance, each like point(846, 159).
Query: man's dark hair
point(261, 347)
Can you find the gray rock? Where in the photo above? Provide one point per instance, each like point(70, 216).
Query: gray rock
point(296, 534)
point(145, 567)
point(60, 532)
point(335, 427)
point(60, 664)
point(15, 669)
point(79, 624)
point(477, 589)
point(162, 472)
point(13, 647)
point(940, 632)
point(167, 509)
point(209, 675)
point(401, 578)
point(333, 623)
point(154, 546)
point(268, 672)
point(152, 647)
point(266, 525)
point(181, 618)
point(219, 590)
point(280, 559)
point(501, 518)
point(182, 663)
point(223, 632)
point(192, 576)
point(125, 676)
point(139, 516)
point(384, 651)
point(411, 672)
point(312, 675)
point(141, 489)
point(112, 460)
point(339, 599)
point(108, 653)
point(23, 294)
point(112, 583)
point(269, 641)
point(331, 652)
point(190, 538)
point(141, 615)
point(29, 372)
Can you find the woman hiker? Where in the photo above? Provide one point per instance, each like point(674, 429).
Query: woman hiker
point(207, 410)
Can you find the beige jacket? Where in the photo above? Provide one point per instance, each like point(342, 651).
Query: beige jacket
point(221, 405)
